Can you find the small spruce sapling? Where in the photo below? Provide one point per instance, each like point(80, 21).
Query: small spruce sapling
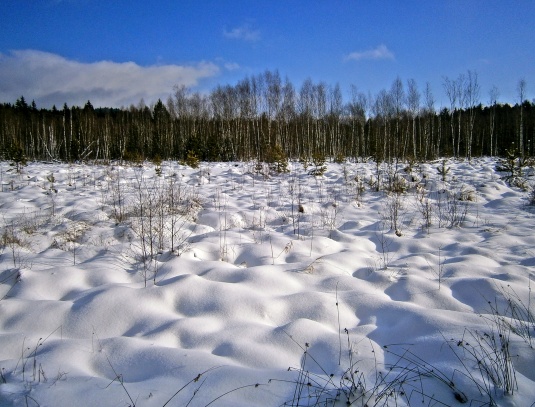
point(513, 164)
point(425, 207)
point(52, 191)
point(304, 162)
point(439, 270)
point(318, 160)
point(443, 170)
point(157, 165)
point(509, 164)
point(192, 160)
point(277, 159)
point(51, 179)
point(16, 155)
point(340, 158)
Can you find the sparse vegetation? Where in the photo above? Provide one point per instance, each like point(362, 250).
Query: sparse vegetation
point(318, 161)
point(192, 160)
point(15, 153)
point(443, 171)
point(141, 222)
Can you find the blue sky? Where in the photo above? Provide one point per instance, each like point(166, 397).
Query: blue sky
point(116, 52)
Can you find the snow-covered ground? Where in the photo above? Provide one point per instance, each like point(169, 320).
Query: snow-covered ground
point(283, 289)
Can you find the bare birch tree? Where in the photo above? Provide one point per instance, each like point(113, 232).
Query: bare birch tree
point(493, 100)
point(521, 89)
point(472, 93)
point(413, 104)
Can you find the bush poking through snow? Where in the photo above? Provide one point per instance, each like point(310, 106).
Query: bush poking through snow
point(517, 314)
point(15, 154)
point(485, 359)
point(192, 160)
point(403, 383)
point(10, 239)
point(318, 160)
point(513, 164)
point(490, 353)
point(198, 312)
point(277, 159)
point(443, 170)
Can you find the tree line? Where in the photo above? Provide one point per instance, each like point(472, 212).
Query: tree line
point(264, 115)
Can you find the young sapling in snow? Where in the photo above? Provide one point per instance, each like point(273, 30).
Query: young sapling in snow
point(17, 157)
point(393, 211)
point(118, 197)
point(385, 242)
point(456, 208)
point(51, 179)
point(13, 241)
point(443, 170)
point(52, 193)
point(192, 160)
point(425, 207)
point(439, 270)
point(318, 160)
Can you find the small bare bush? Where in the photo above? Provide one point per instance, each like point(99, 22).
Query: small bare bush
point(393, 212)
point(118, 198)
point(425, 207)
point(451, 208)
point(467, 193)
point(11, 240)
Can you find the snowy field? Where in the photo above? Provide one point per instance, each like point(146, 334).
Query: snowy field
point(226, 286)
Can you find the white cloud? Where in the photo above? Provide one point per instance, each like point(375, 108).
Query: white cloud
point(52, 79)
point(381, 52)
point(244, 32)
point(232, 66)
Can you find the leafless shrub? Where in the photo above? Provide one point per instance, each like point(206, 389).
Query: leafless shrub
point(263, 169)
point(142, 223)
point(385, 242)
point(30, 222)
point(456, 209)
point(425, 207)
point(451, 210)
point(358, 183)
point(11, 240)
point(118, 198)
point(439, 269)
point(69, 239)
point(393, 212)
point(161, 213)
point(396, 184)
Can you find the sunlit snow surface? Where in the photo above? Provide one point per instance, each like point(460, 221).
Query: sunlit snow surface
point(268, 267)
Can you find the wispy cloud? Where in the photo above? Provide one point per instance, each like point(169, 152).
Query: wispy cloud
point(244, 32)
point(52, 79)
point(231, 66)
point(380, 52)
